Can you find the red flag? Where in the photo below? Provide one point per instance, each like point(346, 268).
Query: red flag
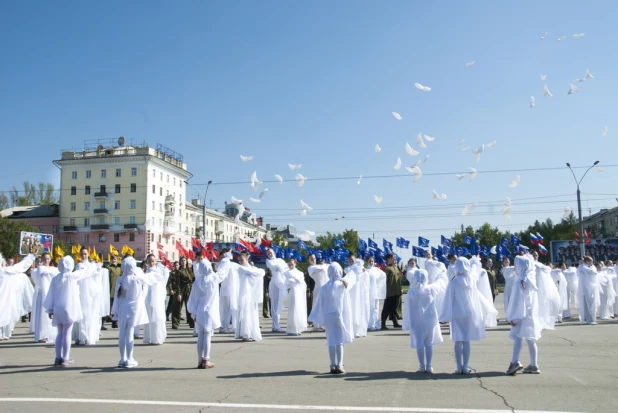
point(265, 243)
point(164, 259)
point(195, 243)
point(159, 246)
point(182, 250)
point(215, 255)
point(210, 246)
point(249, 246)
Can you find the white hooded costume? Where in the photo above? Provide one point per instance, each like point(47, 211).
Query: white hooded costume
point(15, 294)
point(377, 292)
point(40, 323)
point(91, 293)
point(359, 297)
point(607, 293)
point(509, 280)
point(318, 273)
point(561, 285)
point(588, 293)
point(251, 284)
point(484, 289)
point(570, 274)
point(421, 316)
point(228, 293)
point(277, 289)
point(297, 305)
point(549, 298)
point(523, 306)
point(155, 331)
point(437, 274)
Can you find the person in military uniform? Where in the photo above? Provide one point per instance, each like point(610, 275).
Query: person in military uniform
point(168, 309)
point(114, 273)
point(393, 292)
point(266, 298)
point(491, 274)
point(180, 282)
point(310, 282)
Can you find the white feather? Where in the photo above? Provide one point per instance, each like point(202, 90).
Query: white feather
point(543, 77)
point(491, 144)
point(470, 63)
point(561, 39)
point(305, 206)
point(236, 201)
point(460, 177)
point(546, 91)
point(589, 75)
point(255, 200)
point(301, 180)
point(359, 180)
point(263, 192)
point(578, 35)
point(567, 213)
point(532, 101)
point(544, 36)
point(599, 169)
point(429, 138)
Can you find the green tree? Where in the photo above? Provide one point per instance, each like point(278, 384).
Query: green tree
point(4, 201)
point(350, 237)
point(9, 235)
point(41, 194)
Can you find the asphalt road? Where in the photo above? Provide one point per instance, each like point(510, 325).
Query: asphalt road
point(578, 363)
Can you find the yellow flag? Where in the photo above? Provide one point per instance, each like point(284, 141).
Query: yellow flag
point(113, 250)
point(127, 250)
point(75, 249)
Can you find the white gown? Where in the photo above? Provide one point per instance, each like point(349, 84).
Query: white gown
point(437, 273)
point(155, 330)
point(251, 282)
point(421, 315)
point(297, 306)
point(333, 310)
point(15, 294)
point(90, 294)
point(377, 292)
point(607, 293)
point(277, 287)
point(561, 284)
point(588, 293)
point(40, 323)
point(572, 285)
point(228, 294)
point(203, 301)
point(359, 298)
point(548, 296)
point(509, 280)
point(523, 307)
point(318, 274)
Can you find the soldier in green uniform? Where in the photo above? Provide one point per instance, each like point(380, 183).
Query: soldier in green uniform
point(491, 274)
point(180, 282)
point(114, 273)
point(393, 292)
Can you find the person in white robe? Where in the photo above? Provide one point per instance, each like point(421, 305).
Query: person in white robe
point(297, 305)
point(251, 282)
point(463, 309)
point(129, 308)
point(421, 316)
point(508, 272)
point(86, 331)
point(318, 272)
point(377, 292)
point(15, 294)
point(437, 274)
point(228, 296)
point(40, 322)
point(548, 296)
point(561, 284)
point(359, 296)
point(570, 274)
point(523, 314)
point(63, 305)
point(484, 289)
point(277, 289)
point(155, 331)
point(333, 310)
point(588, 291)
point(615, 282)
point(203, 305)
point(607, 293)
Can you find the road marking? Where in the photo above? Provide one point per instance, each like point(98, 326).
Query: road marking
point(264, 406)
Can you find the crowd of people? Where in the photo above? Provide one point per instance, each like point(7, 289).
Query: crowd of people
point(69, 303)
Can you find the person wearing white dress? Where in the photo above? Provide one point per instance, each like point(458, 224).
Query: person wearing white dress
point(570, 274)
point(155, 331)
point(228, 296)
point(40, 322)
point(14, 294)
point(484, 289)
point(251, 283)
point(561, 284)
point(548, 296)
point(277, 289)
point(523, 314)
point(333, 310)
point(297, 306)
point(588, 291)
point(508, 272)
point(63, 305)
point(437, 273)
point(359, 295)
point(129, 309)
point(607, 293)
point(87, 330)
point(377, 292)
point(203, 305)
point(421, 316)
point(318, 273)
point(463, 310)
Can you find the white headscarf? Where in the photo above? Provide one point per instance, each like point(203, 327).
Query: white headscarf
point(66, 264)
point(129, 267)
point(335, 273)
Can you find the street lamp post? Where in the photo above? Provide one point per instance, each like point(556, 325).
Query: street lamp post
point(203, 209)
point(582, 250)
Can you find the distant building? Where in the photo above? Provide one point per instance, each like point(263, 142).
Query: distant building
point(44, 218)
point(603, 224)
point(134, 194)
point(288, 232)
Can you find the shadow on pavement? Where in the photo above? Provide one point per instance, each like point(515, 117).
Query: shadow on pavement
point(272, 374)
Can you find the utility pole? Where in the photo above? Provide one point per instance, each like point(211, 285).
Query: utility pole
point(582, 242)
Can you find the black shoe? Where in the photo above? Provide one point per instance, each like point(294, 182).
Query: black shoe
point(114, 324)
point(384, 327)
point(182, 319)
point(396, 325)
point(103, 328)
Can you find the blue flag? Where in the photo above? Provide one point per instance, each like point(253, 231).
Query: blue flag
point(418, 252)
point(302, 245)
point(468, 240)
point(339, 242)
point(505, 242)
point(515, 239)
point(423, 242)
point(444, 240)
point(362, 245)
point(434, 251)
point(371, 243)
point(387, 245)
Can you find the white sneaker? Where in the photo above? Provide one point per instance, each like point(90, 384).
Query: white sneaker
point(429, 370)
point(421, 369)
point(122, 364)
point(81, 343)
point(131, 363)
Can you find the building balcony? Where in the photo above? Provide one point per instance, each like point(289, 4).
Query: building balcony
point(100, 211)
point(169, 231)
point(130, 226)
point(70, 228)
point(100, 195)
point(99, 227)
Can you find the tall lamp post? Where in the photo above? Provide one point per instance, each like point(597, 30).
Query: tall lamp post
point(203, 209)
point(582, 250)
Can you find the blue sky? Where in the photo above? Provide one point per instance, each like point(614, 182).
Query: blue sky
point(314, 83)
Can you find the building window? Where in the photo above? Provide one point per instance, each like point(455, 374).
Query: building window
point(73, 206)
point(86, 206)
point(72, 222)
point(73, 174)
point(69, 240)
point(102, 204)
point(132, 204)
point(86, 222)
point(159, 238)
point(154, 189)
point(116, 237)
point(117, 188)
point(103, 173)
point(161, 191)
point(86, 238)
point(168, 179)
point(153, 206)
point(179, 227)
point(87, 190)
point(101, 238)
point(131, 236)
point(161, 176)
point(88, 174)
point(101, 221)
point(160, 207)
point(103, 189)
point(116, 204)
point(154, 173)
point(133, 171)
point(133, 187)
point(118, 172)
point(116, 221)
point(73, 190)
point(131, 220)
point(160, 224)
